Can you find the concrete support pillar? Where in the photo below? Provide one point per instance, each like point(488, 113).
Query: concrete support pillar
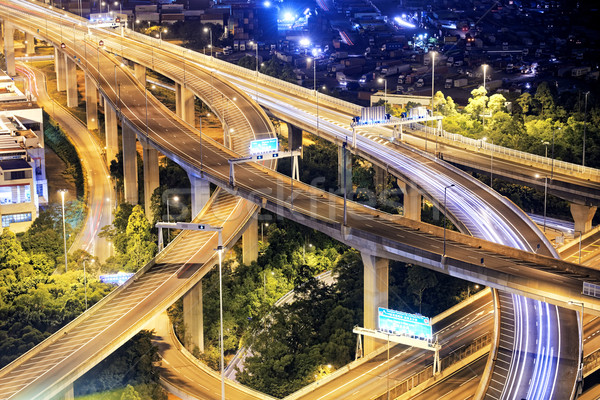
point(345, 167)
point(376, 271)
point(412, 201)
point(129, 164)
point(582, 215)
point(140, 72)
point(30, 44)
point(151, 175)
point(193, 318)
point(200, 193)
point(60, 68)
point(9, 48)
point(111, 132)
point(71, 81)
point(295, 137)
point(184, 104)
point(250, 241)
point(67, 394)
point(380, 178)
point(91, 103)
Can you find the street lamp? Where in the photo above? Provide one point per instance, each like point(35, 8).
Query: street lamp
point(584, 128)
point(85, 282)
point(262, 236)
point(211, 41)
point(484, 73)
point(445, 211)
point(491, 163)
point(580, 235)
point(314, 61)
point(432, 80)
point(220, 251)
point(545, 195)
point(384, 81)
point(175, 199)
point(160, 32)
point(62, 195)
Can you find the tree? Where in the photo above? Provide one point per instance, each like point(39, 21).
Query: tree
point(477, 103)
point(11, 254)
point(130, 394)
point(140, 246)
point(420, 279)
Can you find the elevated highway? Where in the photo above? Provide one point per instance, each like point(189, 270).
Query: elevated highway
point(387, 236)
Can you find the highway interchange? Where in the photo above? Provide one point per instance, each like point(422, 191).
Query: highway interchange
point(303, 197)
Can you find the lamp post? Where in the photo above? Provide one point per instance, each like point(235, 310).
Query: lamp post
point(484, 74)
point(175, 199)
point(314, 61)
point(491, 162)
point(85, 282)
point(384, 81)
point(584, 128)
point(220, 251)
point(432, 79)
point(211, 41)
point(580, 235)
point(62, 196)
point(445, 211)
point(545, 196)
point(262, 236)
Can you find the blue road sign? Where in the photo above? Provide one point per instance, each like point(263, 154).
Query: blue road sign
point(402, 323)
point(264, 146)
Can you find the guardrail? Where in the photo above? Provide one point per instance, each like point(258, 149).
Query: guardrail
point(517, 154)
point(425, 374)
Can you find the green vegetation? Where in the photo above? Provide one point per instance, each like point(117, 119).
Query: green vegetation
point(127, 374)
point(293, 344)
point(34, 302)
point(531, 122)
point(131, 236)
point(56, 139)
point(273, 67)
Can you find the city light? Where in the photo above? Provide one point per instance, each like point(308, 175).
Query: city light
point(404, 23)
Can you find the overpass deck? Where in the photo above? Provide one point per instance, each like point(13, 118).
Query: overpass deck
point(383, 234)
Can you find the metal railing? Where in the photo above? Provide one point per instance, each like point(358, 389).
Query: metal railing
point(425, 374)
point(515, 154)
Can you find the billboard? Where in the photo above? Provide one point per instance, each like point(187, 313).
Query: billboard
point(116, 279)
point(264, 146)
point(401, 323)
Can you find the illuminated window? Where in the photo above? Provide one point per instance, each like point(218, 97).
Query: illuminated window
point(11, 218)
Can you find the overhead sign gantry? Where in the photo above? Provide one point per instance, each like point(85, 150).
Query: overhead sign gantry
point(409, 329)
point(377, 116)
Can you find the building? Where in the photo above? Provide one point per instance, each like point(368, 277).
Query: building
point(23, 183)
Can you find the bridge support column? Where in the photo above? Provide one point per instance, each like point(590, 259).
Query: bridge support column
point(380, 178)
point(250, 241)
point(200, 193)
point(184, 104)
point(151, 175)
point(412, 201)
point(30, 44)
point(345, 167)
point(193, 318)
point(91, 103)
point(9, 48)
point(140, 73)
point(60, 68)
point(71, 81)
point(375, 295)
point(129, 164)
point(111, 132)
point(582, 215)
point(67, 394)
